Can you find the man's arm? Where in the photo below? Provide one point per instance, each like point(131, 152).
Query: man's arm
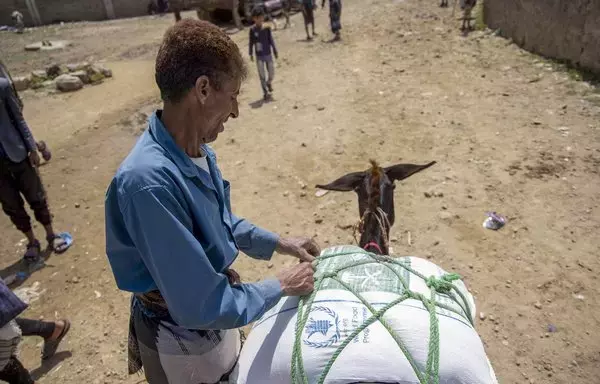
point(198, 297)
point(255, 242)
point(14, 111)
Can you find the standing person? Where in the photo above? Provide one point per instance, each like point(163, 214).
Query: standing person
point(12, 328)
point(171, 236)
point(308, 12)
point(18, 20)
point(18, 176)
point(261, 40)
point(335, 16)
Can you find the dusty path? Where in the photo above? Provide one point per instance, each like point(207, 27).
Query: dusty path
point(509, 133)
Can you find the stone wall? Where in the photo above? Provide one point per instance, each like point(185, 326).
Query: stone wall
point(52, 11)
point(561, 29)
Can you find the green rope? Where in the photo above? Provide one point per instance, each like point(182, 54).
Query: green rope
point(438, 285)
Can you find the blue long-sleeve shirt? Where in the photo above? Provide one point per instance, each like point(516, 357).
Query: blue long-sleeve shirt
point(16, 140)
point(169, 227)
point(261, 40)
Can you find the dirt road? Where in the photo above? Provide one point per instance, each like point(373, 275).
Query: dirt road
point(509, 131)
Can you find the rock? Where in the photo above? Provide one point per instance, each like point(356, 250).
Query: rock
point(538, 305)
point(95, 73)
point(48, 84)
point(75, 280)
point(445, 216)
point(321, 192)
point(53, 71)
point(68, 83)
point(105, 71)
point(302, 194)
point(78, 66)
point(428, 195)
point(82, 75)
point(38, 76)
point(481, 316)
point(286, 194)
point(318, 221)
point(270, 265)
point(21, 83)
point(320, 108)
point(77, 205)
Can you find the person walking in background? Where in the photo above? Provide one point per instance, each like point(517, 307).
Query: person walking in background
point(308, 12)
point(18, 20)
point(19, 177)
point(335, 15)
point(12, 328)
point(261, 41)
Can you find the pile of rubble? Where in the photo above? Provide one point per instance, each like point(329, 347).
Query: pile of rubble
point(71, 77)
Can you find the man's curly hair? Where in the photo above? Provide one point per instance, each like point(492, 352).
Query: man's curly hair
point(194, 48)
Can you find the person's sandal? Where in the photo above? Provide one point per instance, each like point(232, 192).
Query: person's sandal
point(50, 346)
point(59, 243)
point(32, 254)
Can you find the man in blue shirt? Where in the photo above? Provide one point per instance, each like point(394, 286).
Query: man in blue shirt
point(170, 233)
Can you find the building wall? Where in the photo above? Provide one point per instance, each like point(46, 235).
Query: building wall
point(561, 29)
point(52, 11)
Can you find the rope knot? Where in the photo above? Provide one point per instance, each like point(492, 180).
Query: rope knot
point(442, 284)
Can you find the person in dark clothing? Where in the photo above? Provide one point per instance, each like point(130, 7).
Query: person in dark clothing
point(261, 40)
point(12, 328)
point(19, 177)
point(335, 15)
point(308, 12)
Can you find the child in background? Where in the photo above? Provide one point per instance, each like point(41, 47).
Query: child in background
point(261, 40)
point(335, 15)
point(308, 12)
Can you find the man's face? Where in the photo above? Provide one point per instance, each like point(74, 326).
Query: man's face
point(258, 20)
point(216, 107)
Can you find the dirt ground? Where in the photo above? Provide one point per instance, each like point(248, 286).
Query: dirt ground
point(510, 132)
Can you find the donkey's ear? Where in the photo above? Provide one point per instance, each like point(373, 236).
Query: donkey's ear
point(345, 183)
point(402, 171)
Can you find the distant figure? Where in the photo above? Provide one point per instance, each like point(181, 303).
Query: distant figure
point(308, 11)
point(18, 20)
point(467, 7)
point(335, 17)
point(261, 40)
point(19, 177)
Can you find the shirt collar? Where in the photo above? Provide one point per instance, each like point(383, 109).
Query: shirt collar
point(180, 158)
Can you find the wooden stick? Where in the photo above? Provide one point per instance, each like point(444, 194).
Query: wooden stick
point(409, 239)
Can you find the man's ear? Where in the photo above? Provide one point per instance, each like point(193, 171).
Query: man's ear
point(202, 88)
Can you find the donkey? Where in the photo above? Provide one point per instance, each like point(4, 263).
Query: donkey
point(375, 189)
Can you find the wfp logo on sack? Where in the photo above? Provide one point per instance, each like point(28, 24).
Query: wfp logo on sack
point(322, 328)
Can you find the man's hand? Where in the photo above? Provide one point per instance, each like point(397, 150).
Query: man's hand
point(233, 276)
point(303, 248)
point(252, 58)
point(298, 280)
point(34, 158)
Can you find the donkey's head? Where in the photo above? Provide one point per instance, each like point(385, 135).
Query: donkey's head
point(375, 189)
